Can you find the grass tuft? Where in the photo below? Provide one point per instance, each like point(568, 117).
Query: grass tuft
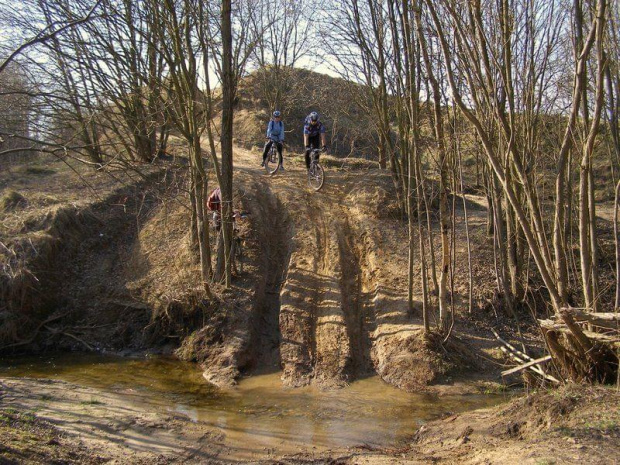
point(12, 200)
point(92, 402)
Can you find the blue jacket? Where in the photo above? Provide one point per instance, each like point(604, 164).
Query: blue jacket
point(275, 130)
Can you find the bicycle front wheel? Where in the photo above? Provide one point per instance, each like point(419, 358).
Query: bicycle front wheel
point(316, 176)
point(272, 163)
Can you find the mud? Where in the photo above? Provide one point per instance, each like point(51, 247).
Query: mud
point(52, 421)
point(321, 297)
point(272, 240)
point(329, 305)
point(323, 293)
point(139, 401)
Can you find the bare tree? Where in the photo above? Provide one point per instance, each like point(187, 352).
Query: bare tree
point(101, 86)
point(174, 26)
point(287, 37)
point(438, 122)
point(228, 92)
point(49, 32)
point(490, 77)
point(16, 105)
point(359, 39)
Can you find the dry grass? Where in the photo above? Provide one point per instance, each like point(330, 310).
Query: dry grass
point(27, 288)
point(48, 211)
point(12, 200)
point(571, 410)
point(163, 271)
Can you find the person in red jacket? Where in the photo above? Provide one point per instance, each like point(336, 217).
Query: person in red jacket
point(214, 204)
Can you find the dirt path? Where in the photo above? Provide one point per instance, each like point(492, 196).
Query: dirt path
point(335, 277)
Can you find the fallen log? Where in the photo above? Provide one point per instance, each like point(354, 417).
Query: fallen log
point(538, 361)
point(607, 338)
point(523, 358)
point(533, 368)
point(604, 320)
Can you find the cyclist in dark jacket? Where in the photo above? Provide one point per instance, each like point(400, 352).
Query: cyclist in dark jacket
point(314, 133)
point(275, 134)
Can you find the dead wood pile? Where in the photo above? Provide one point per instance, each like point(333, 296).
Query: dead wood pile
point(584, 346)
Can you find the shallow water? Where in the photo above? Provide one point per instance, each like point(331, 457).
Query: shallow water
point(260, 413)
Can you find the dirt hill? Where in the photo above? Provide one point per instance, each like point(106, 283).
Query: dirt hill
point(341, 105)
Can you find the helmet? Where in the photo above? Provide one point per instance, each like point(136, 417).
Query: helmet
point(314, 116)
point(276, 114)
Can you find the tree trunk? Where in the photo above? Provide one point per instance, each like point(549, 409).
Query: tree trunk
point(227, 137)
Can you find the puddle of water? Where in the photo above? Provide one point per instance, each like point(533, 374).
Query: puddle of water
point(260, 413)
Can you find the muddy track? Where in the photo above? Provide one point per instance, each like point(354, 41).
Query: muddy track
point(359, 321)
point(327, 282)
point(360, 311)
point(272, 228)
point(299, 300)
point(325, 310)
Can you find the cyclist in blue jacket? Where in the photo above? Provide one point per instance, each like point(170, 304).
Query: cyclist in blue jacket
point(275, 133)
point(314, 132)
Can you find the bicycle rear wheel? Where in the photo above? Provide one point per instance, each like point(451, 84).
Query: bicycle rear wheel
point(316, 176)
point(272, 163)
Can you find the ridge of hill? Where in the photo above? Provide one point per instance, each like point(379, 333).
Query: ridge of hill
point(341, 105)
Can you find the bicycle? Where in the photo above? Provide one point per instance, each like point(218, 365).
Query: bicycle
point(273, 162)
point(316, 174)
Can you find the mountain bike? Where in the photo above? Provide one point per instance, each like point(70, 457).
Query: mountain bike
point(316, 175)
point(273, 161)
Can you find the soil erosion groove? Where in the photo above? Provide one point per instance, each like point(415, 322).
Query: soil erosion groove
point(328, 284)
point(323, 309)
point(273, 227)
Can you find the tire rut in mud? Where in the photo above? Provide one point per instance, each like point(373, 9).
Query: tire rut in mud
point(341, 313)
point(273, 231)
point(299, 298)
point(333, 346)
point(359, 311)
point(326, 338)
